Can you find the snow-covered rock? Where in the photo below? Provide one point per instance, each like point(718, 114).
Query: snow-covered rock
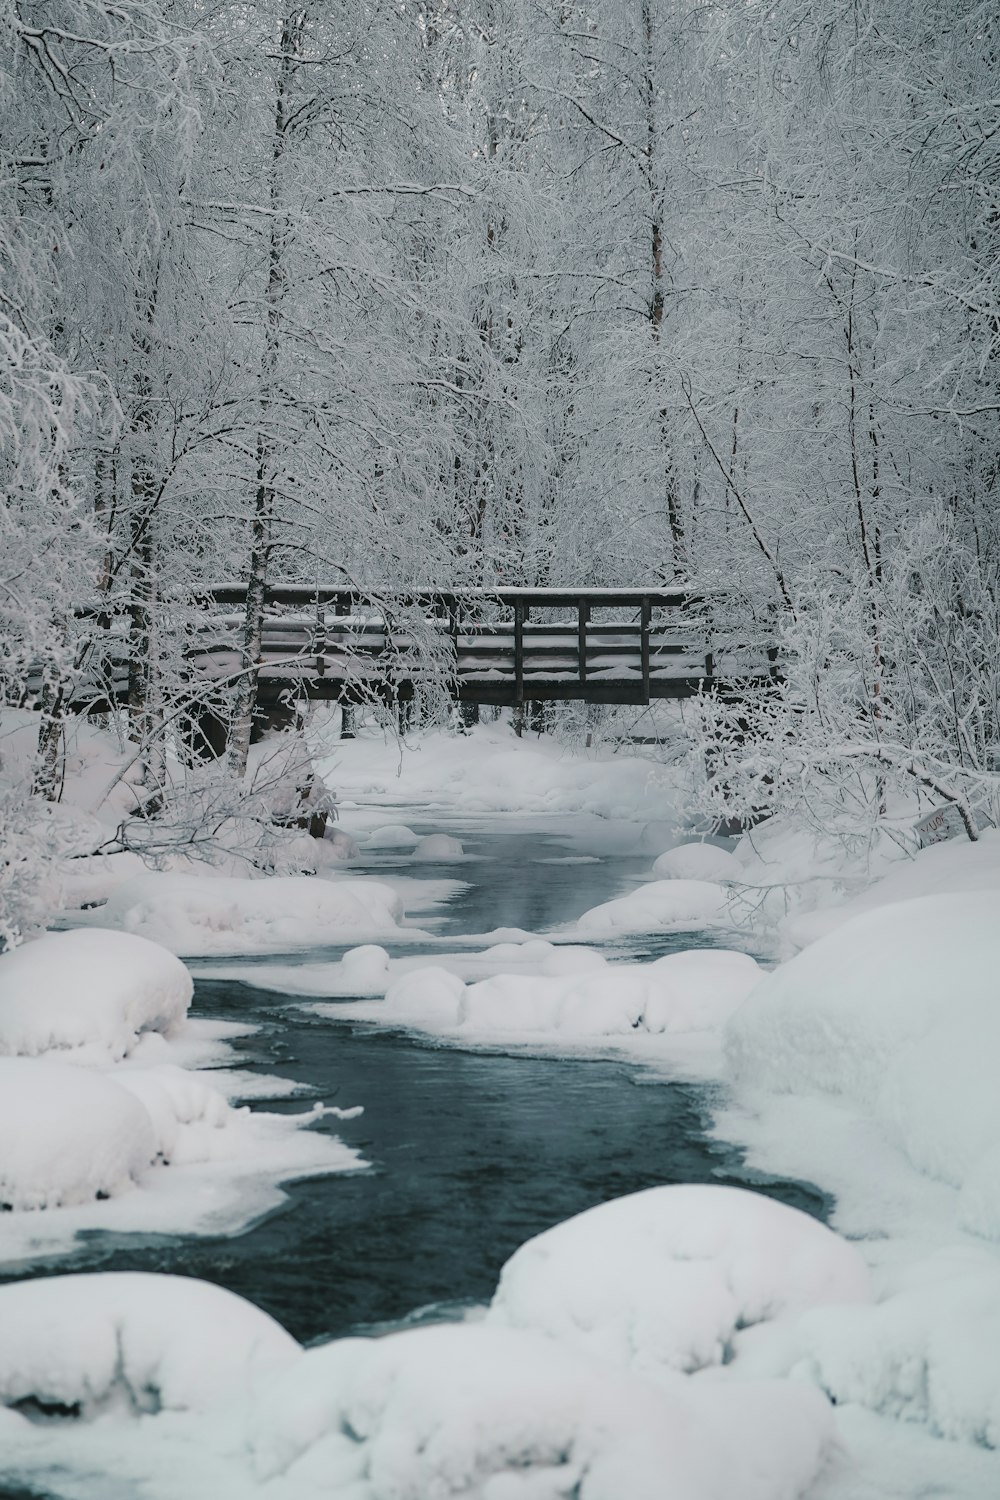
point(365, 970)
point(682, 992)
point(338, 845)
point(90, 993)
point(698, 862)
point(491, 1413)
point(200, 915)
point(130, 1343)
point(929, 1355)
point(67, 1135)
point(193, 1122)
point(392, 836)
point(436, 847)
point(658, 836)
point(663, 1280)
point(659, 904)
point(896, 1015)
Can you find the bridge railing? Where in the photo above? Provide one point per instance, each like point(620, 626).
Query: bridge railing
point(486, 640)
point(602, 644)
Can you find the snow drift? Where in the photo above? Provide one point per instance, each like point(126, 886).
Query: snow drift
point(203, 915)
point(896, 1015)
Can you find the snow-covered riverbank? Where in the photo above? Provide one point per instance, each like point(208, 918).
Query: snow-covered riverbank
point(685, 1342)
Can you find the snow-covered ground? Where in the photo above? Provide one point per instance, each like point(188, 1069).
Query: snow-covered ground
point(686, 1343)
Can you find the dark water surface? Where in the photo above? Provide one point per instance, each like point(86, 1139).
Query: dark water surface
point(471, 1153)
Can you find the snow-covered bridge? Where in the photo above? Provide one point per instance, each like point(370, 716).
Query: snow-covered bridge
point(499, 646)
point(503, 646)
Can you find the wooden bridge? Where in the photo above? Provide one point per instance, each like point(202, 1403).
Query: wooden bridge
point(490, 646)
point(496, 646)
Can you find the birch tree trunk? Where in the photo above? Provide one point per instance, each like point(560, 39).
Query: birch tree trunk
point(262, 522)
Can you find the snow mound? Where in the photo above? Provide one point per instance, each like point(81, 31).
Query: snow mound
point(471, 1411)
point(896, 1014)
point(190, 1118)
point(660, 904)
point(698, 862)
point(929, 1355)
point(90, 992)
point(682, 992)
point(664, 1279)
point(365, 970)
point(392, 836)
point(67, 1136)
point(658, 836)
point(201, 915)
point(342, 845)
point(131, 1343)
point(438, 846)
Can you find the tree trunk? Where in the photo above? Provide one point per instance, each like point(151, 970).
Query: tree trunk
point(245, 696)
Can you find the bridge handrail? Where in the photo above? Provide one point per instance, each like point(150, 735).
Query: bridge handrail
point(559, 597)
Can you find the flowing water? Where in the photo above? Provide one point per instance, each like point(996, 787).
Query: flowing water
point(470, 1153)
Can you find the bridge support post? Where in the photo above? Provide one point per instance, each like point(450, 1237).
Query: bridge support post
point(348, 730)
point(520, 615)
point(582, 621)
point(645, 617)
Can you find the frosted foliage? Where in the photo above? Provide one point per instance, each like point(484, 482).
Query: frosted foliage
point(895, 1012)
point(68, 1135)
point(487, 1412)
point(90, 993)
point(131, 1343)
point(664, 1279)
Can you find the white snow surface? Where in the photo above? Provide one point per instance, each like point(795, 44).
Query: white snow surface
point(943, 869)
point(194, 915)
point(655, 907)
point(896, 1014)
point(663, 1280)
point(127, 1343)
point(490, 770)
point(493, 1414)
point(698, 862)
point(90, 994)
point(142, 1150)
point(445, 1413)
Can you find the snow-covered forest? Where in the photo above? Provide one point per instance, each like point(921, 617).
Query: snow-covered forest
point(499, 604)
point(431, 295)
